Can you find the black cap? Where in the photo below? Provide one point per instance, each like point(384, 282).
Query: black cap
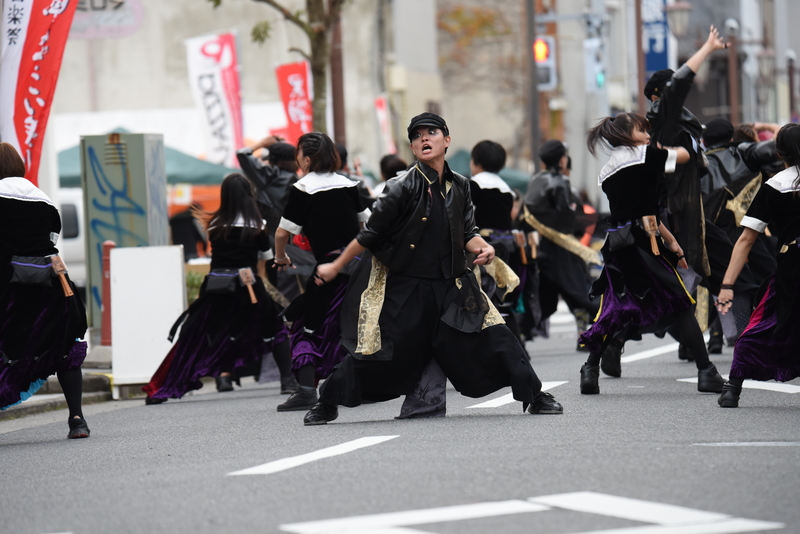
point(718, 131)
point(427, 119)
point(281, 152)
point(552, 151)
point(655, 85)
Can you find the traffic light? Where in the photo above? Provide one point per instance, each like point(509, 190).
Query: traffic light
point(544, 54)
point(595, 65)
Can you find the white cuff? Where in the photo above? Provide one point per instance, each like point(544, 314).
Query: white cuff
point(672, 160)
point(364, 215)
point(754, 224)
point(265, 255)
point(290, 227)
point(54, 238)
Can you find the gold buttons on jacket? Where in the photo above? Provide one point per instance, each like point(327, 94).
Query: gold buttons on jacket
point(424, 219)
point(412, 246)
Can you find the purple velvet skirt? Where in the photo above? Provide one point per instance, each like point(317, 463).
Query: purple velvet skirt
point(316, 332)
point(222, 333)
point(641, 292)
point(39, 331)
point(759, 353)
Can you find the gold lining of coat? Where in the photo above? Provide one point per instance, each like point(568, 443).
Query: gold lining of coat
point(568, 242)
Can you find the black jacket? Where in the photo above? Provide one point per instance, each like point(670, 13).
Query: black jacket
point(669, 119)
point(734, 165)
point(272, 186)
point(549, 199)
point(400, 213)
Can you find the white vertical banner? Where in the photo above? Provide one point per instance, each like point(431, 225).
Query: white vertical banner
point(385, 122)
point(214, 80)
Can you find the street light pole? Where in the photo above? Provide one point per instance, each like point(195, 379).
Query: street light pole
point(732, 32)
point(533, 92)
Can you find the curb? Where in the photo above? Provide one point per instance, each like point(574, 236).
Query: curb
point(33, 406)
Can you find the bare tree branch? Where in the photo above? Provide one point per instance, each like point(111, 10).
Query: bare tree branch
point(288, 15)
point(301, 52)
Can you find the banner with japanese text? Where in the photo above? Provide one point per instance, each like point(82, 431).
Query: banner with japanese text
point(34, 33)
point(214, 80)
point(293, 83)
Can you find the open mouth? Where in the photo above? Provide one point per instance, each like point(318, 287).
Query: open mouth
point(426, 148)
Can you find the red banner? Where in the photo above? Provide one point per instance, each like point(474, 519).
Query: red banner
point(293, 82)
point(34, 33)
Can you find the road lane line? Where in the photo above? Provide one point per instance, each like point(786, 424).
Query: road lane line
point(750, 444)
point(372, 523)
point(729, 526)
point(658, 351)
point(295, 461)
point(632, 509)
point(755, 384)
point(509, 397)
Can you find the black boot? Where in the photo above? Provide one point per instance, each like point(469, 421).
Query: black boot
point(545, 403)
point(684, 353)
point(288, 384)
point(709, 380)
point(78, 428)
point(302, 399)
point(730, 395)
point(610, 359)
point(715, 343)
point(590, 375)
point(224, 383)
point(321, 413)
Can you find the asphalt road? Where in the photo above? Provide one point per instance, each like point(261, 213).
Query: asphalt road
point(649, 455)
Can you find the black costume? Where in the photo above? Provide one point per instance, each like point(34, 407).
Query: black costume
point(428, 301)
point(40, 328)
point(549, 198)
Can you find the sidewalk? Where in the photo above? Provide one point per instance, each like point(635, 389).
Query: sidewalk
point(96, 388)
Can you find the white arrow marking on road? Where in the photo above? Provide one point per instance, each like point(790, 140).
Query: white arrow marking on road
point(295, 461)
point(755, 384)
point(384, 522)
point(509, 397)
point(663, 518)
point(658, 351)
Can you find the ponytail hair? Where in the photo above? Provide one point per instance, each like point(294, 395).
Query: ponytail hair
point(787, 146)
point(322, 152)
point(616, 131)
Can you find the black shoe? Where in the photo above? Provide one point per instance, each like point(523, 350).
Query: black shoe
point(78, 428)
point(302, 399)
point(545, 403)
point(590, 375)
point(610, 359)
point(288, 385)
point(715, 343)
point(150, 400)
point(709, 380)
point(224, 383)
point(685, 354)
point(321, 413)
point(730, 396)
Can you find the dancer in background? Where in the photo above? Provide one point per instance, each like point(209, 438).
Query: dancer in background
point(42, 319)
point(327, 209)
point(224, 330)
point(767, 349)
point(640, 288)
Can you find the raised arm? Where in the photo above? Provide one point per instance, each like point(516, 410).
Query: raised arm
point(714, 42)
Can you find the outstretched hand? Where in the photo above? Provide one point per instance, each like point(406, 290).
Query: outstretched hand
point(714, 40)
point(485, 255)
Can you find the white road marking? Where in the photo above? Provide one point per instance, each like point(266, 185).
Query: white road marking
point(645, 354)
point(750, 444)
point(509, 397)
point(295, 461)
point(730, 526)
point(625, 508)
point(372, 523)
point(755, 384)
point(663, 518)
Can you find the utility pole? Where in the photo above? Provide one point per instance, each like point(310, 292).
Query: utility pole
point(337, 82)
point(640, 67)
point(533, 91)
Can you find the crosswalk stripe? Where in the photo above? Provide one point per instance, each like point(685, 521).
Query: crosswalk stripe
point(509, 397)
point(645, 354)
point(295, 461)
